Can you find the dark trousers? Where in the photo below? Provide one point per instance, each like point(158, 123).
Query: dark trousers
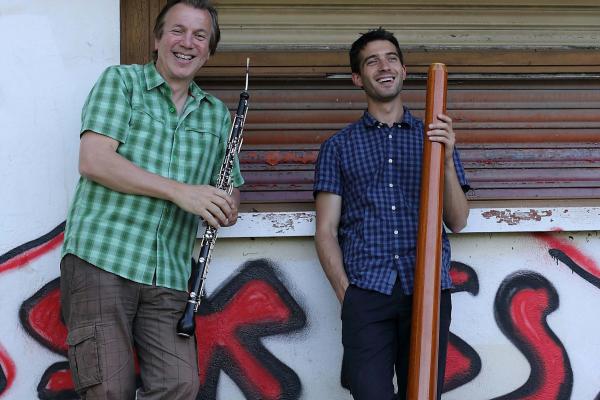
point(107, 316)
point(376, 339)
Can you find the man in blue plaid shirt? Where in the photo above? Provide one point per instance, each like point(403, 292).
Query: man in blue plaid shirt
point(367, 187)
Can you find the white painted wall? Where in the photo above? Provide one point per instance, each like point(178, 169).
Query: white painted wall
point(313, 351)
point(52, 53)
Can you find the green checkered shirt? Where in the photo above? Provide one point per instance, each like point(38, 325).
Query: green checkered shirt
point(135, 236)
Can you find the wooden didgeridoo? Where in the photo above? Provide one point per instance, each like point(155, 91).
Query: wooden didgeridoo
point(423, 360)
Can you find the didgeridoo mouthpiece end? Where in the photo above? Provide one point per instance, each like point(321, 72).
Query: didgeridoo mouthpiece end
point(437, 66)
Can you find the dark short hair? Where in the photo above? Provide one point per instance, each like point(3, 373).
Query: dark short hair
point(366, 38)
point(215, 32)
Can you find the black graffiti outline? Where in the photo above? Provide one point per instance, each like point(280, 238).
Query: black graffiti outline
point(471, 355)
point(568, 261)
point(32, 244)
point(510, 286)
point(29, 304)
point(250, 337)
point(471, 286)
point(46, 394)
point(3, 381)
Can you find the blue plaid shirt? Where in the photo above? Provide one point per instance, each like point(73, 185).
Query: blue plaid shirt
point(377, 172)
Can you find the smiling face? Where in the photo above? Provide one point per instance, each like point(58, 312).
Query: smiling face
point(381, 71)
point(183, 47)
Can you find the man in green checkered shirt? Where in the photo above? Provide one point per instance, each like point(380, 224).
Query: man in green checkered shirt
point(152, 143)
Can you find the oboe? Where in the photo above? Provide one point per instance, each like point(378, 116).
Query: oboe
point(187, 324)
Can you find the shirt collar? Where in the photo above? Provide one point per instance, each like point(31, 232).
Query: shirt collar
point(154, 79)
point(407, 119)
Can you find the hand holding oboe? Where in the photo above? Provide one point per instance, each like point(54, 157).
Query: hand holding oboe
point(186, 325)
point(213, 205)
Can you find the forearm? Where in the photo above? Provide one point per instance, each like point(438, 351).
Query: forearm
point(330, 256)
point(456, 207)
point(112, 170)
point(100, 162)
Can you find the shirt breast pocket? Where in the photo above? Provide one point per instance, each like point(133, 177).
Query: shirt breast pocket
point(197, 150)
point(147, 141)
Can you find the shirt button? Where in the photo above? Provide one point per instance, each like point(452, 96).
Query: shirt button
point(391, 185)
point(389, 136)
point(172, 109)
point(393, 208)
point(395, 232)
point(396, 256)
point(390, 161)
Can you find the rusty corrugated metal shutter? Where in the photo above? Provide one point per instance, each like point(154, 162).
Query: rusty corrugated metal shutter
point(520, 136)
point(528, 119)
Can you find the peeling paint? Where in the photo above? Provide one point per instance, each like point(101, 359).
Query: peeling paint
point(287, 222)
point(515, 217)
point(290, 157)
point(481, 220)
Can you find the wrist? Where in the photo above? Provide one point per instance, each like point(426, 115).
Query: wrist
point(343, 285)
point(173, 191)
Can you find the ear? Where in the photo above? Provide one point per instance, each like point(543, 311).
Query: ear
point(357, 80)
point(155, 44)
point(403, 72)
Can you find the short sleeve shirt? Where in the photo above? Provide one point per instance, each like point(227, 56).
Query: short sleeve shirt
point(376, 169)
point(137, 237)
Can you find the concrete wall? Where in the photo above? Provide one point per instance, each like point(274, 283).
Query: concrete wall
point(52, 53)
point(524, 319)
point(525, 307)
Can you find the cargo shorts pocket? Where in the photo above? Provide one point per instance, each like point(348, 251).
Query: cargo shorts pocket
point(84, 357)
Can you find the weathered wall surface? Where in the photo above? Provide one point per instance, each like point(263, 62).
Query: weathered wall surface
point(52, 53)
point(524, 320)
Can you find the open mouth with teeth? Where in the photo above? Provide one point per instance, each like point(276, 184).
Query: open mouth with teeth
point(184, 57)
point(386, 79)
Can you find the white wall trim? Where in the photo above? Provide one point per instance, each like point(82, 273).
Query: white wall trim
point(481, 220)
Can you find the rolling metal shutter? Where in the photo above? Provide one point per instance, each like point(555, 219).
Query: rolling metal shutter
point(527, 119)
point(524, 131)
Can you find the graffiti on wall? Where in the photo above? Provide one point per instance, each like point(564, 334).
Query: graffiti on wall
point(7, 371)
point(463, 363)
point(230, 325)
point(255, 303)
point(569, 255)
point(40, 316)
point(522, 303)
point(18, 258)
